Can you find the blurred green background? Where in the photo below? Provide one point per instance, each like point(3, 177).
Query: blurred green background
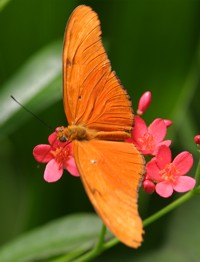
point(153, 45)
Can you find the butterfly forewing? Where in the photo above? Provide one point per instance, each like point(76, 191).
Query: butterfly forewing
point(111, 173)
point(93, 95)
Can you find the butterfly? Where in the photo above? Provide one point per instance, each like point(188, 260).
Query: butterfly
point(100, 117)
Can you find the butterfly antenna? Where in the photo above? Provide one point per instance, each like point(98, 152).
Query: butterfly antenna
point(29, 111)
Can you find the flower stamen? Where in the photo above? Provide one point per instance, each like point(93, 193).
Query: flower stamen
point(61, 154)
point(169, 173)
point(147, 142)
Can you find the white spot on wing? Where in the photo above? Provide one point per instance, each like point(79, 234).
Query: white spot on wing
point(93, 161)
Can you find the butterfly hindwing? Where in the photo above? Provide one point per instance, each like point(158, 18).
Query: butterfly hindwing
point(111, 173)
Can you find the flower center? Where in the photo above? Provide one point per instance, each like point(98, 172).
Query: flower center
point(147, 142)
point(61, 154)
point(169, 173)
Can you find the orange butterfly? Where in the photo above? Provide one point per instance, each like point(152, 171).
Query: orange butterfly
point(99, 114)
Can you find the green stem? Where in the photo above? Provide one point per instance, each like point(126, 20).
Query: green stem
point(157, 215)
point(68, 257)
point(96, 250)
point(114, 241)
point(197, 173)
point(168, 208)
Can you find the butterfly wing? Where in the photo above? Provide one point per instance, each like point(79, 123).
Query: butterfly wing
point(111, 173)
point(93, 95)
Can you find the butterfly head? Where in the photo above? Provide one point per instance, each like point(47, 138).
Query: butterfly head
point(72, 132)
point(62, 133)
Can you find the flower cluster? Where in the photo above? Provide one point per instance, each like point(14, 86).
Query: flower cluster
point(58, 156)
point(163, 174)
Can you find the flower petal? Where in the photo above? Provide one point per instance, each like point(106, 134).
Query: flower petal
point(158, 129)
point(129, 140)
point(52, 138)
point(197, 139)
point(153, 170)
point(166, 143)
point(52, 172)
point(168, 122)
point(148, 186)
point(42, 153)
point(163, 156)
point(183, 162)
point(184, 183)
point(139, 129)
point(71, 167)
point(164, 189)
point(144, 102)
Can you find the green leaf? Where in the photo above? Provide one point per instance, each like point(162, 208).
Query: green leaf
point(3, 3)
point(182, 115)
point(184, 233)
point(39, 77)
point(72, 234)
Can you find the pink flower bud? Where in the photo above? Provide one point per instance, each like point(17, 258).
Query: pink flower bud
point(197, 139)
point(144, 103)
point(148, 186)
point(168, 123)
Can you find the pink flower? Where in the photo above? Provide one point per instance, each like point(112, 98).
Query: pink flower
point(144, 103)
point(148, 139)
point(197, 139)
point(148, 185)
point(168, 122)
point(169, 174)
point(58, 156)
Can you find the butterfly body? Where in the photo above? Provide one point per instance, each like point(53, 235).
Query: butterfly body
point(81, 132)
point(100, 117)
